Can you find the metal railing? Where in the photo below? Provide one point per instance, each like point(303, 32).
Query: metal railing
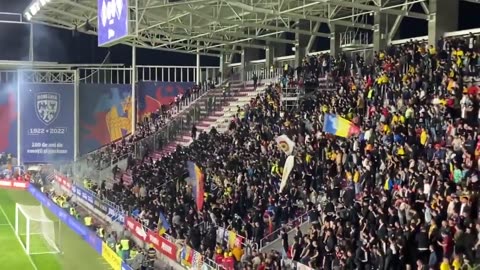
point(262, 74)
point(108, 159)
point(291, 225)
point(181, 124)
point(207, 262)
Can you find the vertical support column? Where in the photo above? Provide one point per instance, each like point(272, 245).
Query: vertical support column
point(334, 39)
point(133, 81)
point(31, 56)
point(380, 33)
point(269, 55)
point(76, 115)
point(443, 18)
point(222, 71)
point(300, 52)
point(242, 65)
point(198, 71)
point(301, 42)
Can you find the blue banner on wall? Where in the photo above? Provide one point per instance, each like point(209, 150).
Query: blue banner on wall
point(47, 122)
point(8, 118)
point(151, 95)
point(105, 114)
point(90, 198)
point(89, 236)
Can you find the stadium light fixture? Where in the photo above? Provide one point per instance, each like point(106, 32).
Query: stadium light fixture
point(34, 8)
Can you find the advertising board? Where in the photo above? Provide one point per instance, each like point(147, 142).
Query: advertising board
point(162, 245)
point(112, 21)
point(11, 183)
point(90, 198)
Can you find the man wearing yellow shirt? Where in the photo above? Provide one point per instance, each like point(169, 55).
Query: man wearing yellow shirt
point(445, 265)
point(423, 137)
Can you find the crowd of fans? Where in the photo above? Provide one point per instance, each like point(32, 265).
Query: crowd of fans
point(402, 194)
point(150, 124)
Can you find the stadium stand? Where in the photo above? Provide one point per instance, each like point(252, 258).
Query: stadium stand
point(401, 193)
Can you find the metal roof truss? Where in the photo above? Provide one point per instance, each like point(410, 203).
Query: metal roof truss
point(211, 27)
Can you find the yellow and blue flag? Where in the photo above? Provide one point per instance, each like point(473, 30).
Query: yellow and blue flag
point(339, 126)
point(163, 225)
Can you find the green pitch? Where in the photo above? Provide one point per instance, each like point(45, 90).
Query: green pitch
point(76, 254)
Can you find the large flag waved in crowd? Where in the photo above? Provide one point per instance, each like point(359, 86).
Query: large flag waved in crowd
point(339, 126)
point(198, 182)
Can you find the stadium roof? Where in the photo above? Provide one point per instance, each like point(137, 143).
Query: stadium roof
point(226, 26)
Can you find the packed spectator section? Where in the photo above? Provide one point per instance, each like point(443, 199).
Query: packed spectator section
point(400, 194)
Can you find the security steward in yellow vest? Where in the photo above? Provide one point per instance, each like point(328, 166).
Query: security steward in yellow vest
point(73, 212)
point(118, 249)
point(101, 232)
point(125, 248)
point(88, 221)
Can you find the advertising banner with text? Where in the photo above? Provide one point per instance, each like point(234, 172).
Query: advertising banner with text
point(165, 247)
point(12, 183)
point(90, 198)
point(47, 122)
point(63, 181)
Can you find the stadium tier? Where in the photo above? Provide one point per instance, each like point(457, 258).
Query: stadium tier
point(384, 172)
point(365, 156)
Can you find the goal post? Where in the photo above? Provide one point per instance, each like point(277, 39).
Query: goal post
point(34, 230)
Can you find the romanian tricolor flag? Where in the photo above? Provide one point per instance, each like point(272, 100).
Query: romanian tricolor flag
point(198, 183)
point(339, 126)
point(186, 256)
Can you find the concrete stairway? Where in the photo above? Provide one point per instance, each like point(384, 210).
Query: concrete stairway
point(240, 94)
point(276, 243)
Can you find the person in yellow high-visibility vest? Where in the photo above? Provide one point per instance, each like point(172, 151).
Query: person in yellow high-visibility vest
point(125, 248)
point(118, 249)
point(73, 212)
point(88, 221)
point(100, 232)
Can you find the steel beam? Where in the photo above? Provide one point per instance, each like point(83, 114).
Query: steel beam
point(289, 14)
point(312, 39)
point(396, 25)
point(257, 25)
point(387, 10)
point(223, 42)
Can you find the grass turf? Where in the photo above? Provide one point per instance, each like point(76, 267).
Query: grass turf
point(77, 255)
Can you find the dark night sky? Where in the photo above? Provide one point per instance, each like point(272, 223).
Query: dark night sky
point(60, 46)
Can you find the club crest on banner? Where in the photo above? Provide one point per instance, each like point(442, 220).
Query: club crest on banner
point(47, 107)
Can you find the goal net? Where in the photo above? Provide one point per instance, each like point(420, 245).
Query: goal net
point(35, 230)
